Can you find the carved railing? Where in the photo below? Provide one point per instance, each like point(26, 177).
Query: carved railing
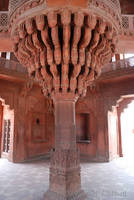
point(12, 65)
point(127, 20)
point(4, 21)
point(121, 64)
point(16, 66)
point(128, 24)
point(13, 4)
point(113, 4)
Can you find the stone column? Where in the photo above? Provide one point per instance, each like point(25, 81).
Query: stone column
point(65, 181)
point(64, 46)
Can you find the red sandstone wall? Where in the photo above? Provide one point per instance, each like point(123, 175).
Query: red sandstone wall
point(32, 139)
point(35, 126)
point(4, 5)
point(32, 135)
point(111, 92)
point(38, 131)
point(127, 7)
point(87, 106)
point(104, 144)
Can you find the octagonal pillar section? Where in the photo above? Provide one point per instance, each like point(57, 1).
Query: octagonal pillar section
point(65, 180)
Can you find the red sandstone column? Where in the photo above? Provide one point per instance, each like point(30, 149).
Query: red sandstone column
point(64, 46)
point(65, 135)
point(119, 134)
point(65, 181)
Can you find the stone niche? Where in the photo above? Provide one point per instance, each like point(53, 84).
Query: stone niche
point(83, 127)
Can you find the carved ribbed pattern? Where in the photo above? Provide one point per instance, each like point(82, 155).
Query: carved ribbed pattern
point(64, 51)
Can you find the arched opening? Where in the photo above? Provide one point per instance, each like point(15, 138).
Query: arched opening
point(121, 128)
point(127, 130)
point(83, 127)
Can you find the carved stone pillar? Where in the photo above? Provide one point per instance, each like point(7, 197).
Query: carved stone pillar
point(65, 181)
point(65, 135)
point(64, 44)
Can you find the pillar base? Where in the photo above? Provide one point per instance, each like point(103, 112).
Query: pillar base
point(65, 181)
point(49, 195)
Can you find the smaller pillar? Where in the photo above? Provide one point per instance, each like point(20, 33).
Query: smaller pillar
point(117, 57)
point(119, 134)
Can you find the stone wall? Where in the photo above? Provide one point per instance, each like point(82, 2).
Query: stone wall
point(32, 132)
point(102, 104)
point(111, 92)
point(34, 120)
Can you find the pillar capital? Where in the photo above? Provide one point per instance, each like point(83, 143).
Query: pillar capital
point(64, 47)
point(64, 97)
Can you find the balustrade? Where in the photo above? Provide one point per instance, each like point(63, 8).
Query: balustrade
point(126, 63)
point(3, 21)
point(128, 24)
point(12, 65)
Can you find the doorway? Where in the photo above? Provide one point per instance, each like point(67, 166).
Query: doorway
point(121, 128)
point(127, 131)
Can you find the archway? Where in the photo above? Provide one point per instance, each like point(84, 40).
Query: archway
point(127, 130)
point(118, 128)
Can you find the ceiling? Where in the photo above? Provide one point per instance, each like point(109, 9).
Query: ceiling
point(4, 5)
point(127, 6)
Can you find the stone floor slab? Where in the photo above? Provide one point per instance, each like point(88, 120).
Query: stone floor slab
point(100, 181)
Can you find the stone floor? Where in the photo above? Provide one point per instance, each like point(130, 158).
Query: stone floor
point(101, 181)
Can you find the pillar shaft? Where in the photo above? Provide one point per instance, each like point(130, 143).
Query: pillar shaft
point(65, 180)
point(65, 133)
point(64, 44)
